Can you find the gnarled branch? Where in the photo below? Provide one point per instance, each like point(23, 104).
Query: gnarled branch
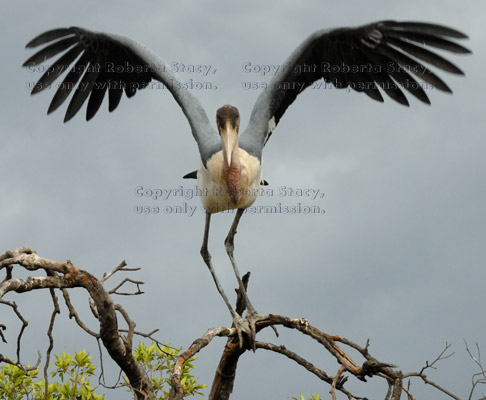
point(352, 360)
point(65, 275)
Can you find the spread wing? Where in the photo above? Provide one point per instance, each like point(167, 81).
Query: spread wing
point(99, 63)
point(377, 58)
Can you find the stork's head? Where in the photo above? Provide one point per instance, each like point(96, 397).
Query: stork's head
point(228, 121)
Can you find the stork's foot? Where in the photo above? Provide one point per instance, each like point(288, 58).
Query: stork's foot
point(247, 326)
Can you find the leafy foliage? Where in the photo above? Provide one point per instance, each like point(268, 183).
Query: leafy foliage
point(73, 380)
point(72, 373)
point(313, 397)
point(158, 362)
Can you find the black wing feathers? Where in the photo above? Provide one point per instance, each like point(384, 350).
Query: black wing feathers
point(49, 36)
point(103, 65)
point(57, 68)
point(382, 55)
point(51, 50)
point(425, 55)
point(70, 82)
point(423, 27)
point(429, 40)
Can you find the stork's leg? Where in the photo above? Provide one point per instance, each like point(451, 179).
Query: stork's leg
point(240, 324)
point(229, 243)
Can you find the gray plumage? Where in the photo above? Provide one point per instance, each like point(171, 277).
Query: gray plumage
point(374, 58)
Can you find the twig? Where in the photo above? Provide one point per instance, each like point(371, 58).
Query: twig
point(337, 380)
point(425, 379)
point(479, 377)
point(51, 341)
point(131, 327)
point(440, 357)
point(14, 307)
point(2, 328)
point(120, 267)
point(74, 314)
point(20, 365)
point(298, 359)
point(177, 391)
point(137, 283)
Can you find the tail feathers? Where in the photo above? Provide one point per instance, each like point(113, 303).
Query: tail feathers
point(190, 175)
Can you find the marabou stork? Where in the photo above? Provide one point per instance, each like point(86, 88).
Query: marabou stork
point(382, 55)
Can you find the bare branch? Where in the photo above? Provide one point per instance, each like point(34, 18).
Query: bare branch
point(145, 335)
point(225, 374)
point(32, 262)
point(2, 328)
point(337, 381)
point(13, 253)
point(120, 267)
point(432, 383)
point(177, 391)
point(42, 282)
point(51, 341)
point(137, 283)
point(92, 307)
point(119, 342)
point(20, 365)
point(326, 340)
point(477, 360)
point(298, 359)
point(407, 391)
point(131, 327)
point(389, 391)
point(22, 319)
point(74, 314)
point(371, 367)
point(66, 275)
point(397, 387)
point(442, 356)
point(478, 378)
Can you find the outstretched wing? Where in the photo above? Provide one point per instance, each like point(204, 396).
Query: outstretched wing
point(382, 55)
point(103, 62)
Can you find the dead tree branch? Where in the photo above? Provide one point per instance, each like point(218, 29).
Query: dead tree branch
point(22, 329)
point(421, 374)
point(127, 280)
point(2, 328)
point(73, 314)
point(120, 267)
point(369, 367)
point(478, 378)
point(177, 391)
point(62, 275)
point(225, 374)
point(353, 360)
point(51, 340)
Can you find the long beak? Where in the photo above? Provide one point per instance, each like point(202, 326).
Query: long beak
point(229, 137)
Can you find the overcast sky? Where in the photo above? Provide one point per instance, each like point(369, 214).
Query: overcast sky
point(397, 257)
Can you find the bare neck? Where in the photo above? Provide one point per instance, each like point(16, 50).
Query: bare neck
point(232, 174)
